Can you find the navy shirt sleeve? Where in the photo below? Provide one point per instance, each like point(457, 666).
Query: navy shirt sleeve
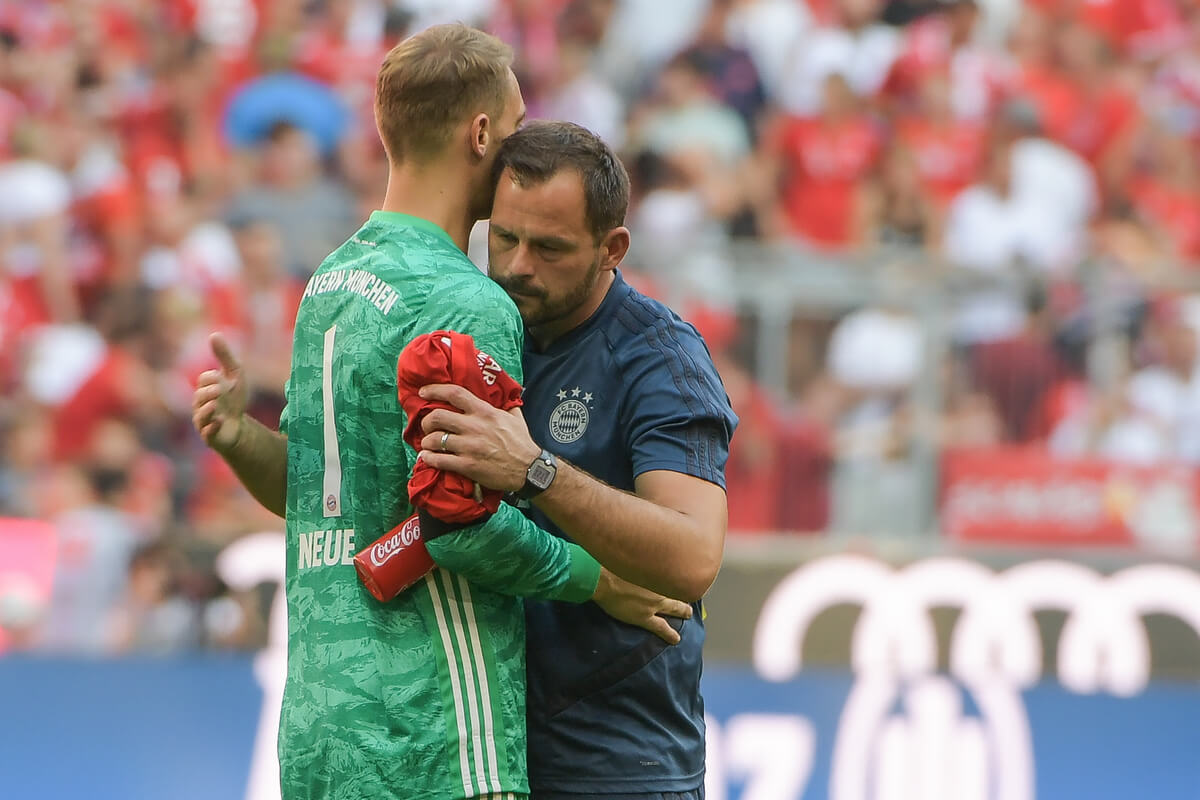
point(676, 414)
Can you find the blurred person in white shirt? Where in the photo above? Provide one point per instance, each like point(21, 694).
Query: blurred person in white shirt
point(642, 35)
point(859, 47)
point(35, 198)
point(984, 233)
point(681, 235)
point(1168, 392)
point(1041, 194)
point(1154, 415)
point(770, 31)
point(581, 95)
point(1030, 211)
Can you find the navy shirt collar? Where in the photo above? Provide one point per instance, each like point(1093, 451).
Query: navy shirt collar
point(616, 294)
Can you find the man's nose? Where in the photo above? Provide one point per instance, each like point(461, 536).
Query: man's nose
point(522, 261)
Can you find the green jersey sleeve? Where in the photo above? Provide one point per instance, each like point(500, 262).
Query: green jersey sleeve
point(507, 553)
point(511, 555)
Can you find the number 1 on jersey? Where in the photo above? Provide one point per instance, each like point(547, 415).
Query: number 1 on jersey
point(331, 485)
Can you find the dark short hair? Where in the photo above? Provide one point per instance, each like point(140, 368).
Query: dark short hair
point(540, 150)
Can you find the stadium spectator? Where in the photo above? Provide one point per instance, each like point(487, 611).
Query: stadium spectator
point(95, 541)
point(770, 31)
point(312, 213)
point(853, 44)
point(819, 165)
point(685, 117)
point(732, 76)
point(895, 208)
point(152, 616)
point(1167, 392)
point(576, 93)
point(1167, 194)
point(947, 149)
point(1017, 372)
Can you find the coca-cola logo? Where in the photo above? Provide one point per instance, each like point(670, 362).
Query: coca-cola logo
point(383, 550)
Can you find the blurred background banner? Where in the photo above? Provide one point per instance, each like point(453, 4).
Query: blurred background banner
point(1011, 496)
point(944, 254)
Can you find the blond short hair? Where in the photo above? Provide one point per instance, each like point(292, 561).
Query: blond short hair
point(435, 80)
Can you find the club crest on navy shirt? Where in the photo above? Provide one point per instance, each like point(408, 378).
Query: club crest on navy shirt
point(569, 419)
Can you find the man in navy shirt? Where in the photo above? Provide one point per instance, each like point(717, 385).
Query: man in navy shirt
point(622, 448)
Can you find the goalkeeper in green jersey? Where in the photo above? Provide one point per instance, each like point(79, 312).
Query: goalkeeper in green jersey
point(424, 696)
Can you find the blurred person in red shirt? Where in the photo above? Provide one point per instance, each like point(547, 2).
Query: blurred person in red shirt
point(1167, 194)
point(122, 385)
point(821, 163)
point(1137, 29)
point(777, 474)
point(1082, 97)
point(534, 29)
point(948, 150)
point(944, 42)
point(172, 139)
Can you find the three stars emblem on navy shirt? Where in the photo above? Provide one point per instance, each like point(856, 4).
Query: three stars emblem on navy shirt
point(562, 394)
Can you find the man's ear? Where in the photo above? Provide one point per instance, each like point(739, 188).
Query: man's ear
point(613, 248)
point(480, 135)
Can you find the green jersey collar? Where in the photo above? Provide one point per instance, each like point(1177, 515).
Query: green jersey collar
point(396, 218)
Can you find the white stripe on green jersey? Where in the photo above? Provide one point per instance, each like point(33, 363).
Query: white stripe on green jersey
point(470, 682)
point(456, 688)
point(481, 668)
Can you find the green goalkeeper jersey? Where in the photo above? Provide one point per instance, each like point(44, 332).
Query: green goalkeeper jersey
point(424, 696)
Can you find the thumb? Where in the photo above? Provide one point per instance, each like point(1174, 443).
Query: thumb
point(224, 354)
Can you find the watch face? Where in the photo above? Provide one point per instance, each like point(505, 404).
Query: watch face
point(540, 475)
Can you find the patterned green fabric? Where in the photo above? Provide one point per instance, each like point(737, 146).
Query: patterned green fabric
point(422, 697)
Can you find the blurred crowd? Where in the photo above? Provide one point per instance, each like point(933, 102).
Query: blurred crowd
point(173, 167)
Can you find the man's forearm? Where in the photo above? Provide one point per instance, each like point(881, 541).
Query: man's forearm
point(638, 540)
point(259, 459)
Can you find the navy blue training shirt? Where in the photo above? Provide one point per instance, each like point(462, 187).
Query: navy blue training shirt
point(613, 708)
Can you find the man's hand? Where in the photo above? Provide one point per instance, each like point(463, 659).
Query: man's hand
point(487, 445)
point(641, 607)
point(219, 402)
